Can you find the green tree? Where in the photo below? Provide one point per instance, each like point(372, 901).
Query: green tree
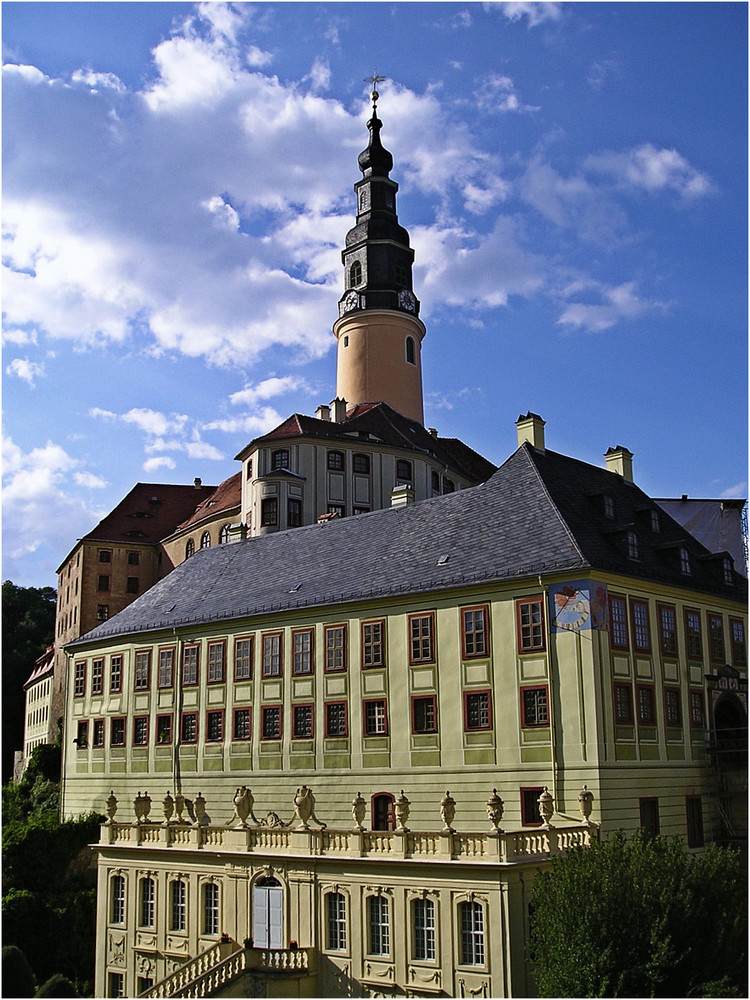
point(18, 979)
point(640, 918)
point(57, 986)
point(28, 628)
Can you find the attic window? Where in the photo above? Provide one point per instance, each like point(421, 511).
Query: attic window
point(728, 572)
point(609, 506)
point(634, 551)
point(685, 567)
point(295, 588)
point(443, 560)
point(655, 521)
point(134, 533)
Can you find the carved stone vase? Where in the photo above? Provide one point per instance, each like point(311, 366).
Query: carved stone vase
point(495, 807)
point(585, 803)
point(199, 809)
point(168, 803)
point(142, 807)
point(111, 807)
point(546, 807)
point(402, 812)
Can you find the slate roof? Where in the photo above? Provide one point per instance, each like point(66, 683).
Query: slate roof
point(148, 513)
point(387, 426)
point(540, 513)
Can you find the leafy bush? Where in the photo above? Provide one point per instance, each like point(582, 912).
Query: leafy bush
point(57, 986)
point(18, 979)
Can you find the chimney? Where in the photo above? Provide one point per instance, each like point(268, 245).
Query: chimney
point(531, 429)
point(323, 412)
point(197, 483)
point(338, 406)
point(620, 460)
point(432, 431)
point(402, 496)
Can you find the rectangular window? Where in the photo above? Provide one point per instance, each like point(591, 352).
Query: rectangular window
point(102, 584)
point(302, 722)
point(375, 717)
point(97, 676)
point(649, 816)
point(641, 627)
point(142, 674)
point(189, 727)
point(336, 921)
point(336, 719)
point(618, 622)
point(694, 820)
point(140, 731)
point(534, 706)
point(424, 930)
point(424, 714)
point(422, 638)
point(293, 513)
point(117, 732)
point(210, 908)
point(215, 725)
point(133, 558)
point(115, 674)
point(623, 705)
point(472, 933)
point(243, 659)
point(530, 625)
point(98, 733)
point(271, 722)
point(116, 982)
point(477, 714)
point(302, 650)
point(336, 461)
point(693, 636)
point(102, 612)
point(697, 714)
point(132, 585)
point(241, 724)
point(403, 470)
point(667, 629)
point(166, 668)
point(190, 665)
point(474, 637)
point(163, 730)
point(335, 646)
point(379, 921)
point(79, 682)
point(272, 654)
point(716, 638)
point(82, 734)
point(216, 651)
point(117, 909)
point(672, 710)
point(269, 512)
point(530, 806)
point(373, 644)
point(361, 464)
point(646, 710)
point(105, 556)
point(739, 649)
point(178, 906)
point(148, 900)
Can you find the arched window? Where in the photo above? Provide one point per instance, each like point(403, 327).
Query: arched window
point(336, 921)
point(148, 898)
point(382, 812)
point(423, 912)
point(117, 909)
point(224, 535)
point(206, 540)
point(355, 274)
point(411, 351)
point(471, 923)
point(379, 938)
point(178, 901)
point(189, 548)
point(268, 913)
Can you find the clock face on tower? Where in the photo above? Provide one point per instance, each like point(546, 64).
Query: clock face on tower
point(406, 300)
point(351, 301)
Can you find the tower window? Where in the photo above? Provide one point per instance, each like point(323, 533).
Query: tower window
point(355, 274)
point(402, 276)
point(411, 352)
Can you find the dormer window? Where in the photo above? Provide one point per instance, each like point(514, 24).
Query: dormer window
point(609, 506)
point(685, 567)
point(655, 521)
point(205, 540)
point(634, 551)
point(355, 274)
point(728, 571)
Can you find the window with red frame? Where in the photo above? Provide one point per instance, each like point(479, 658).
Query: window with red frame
point(79, 681)
point(373, 644)
point(241, 724)
point(716, 638)
point(190, 665)
point(697, 711)
point(166, 668)
point(618, 622)
point(336, 718)
point(693, 634)
point(271, 666)
point(530, 620)
point(97, 676)
point(645, 698)
point(667, 629)
point(302, 722)
point(421, 638)
point(98, 740)
point(623, 705)
point(270, 721)
point(163, 730)
point(375, 717)
point(216, 657)
point(739, 648)
point(474, 636)
point(424, 714)
point(215, 725)
point(672, 710)
point(477, 710)
point(534, 706)
point(189, 727)
point(641, 626)
point(335, 647)
point(117, 732)
point(140, 730)
point(82, 734)
point(243, 659)
point(302, 651)
point(142, 673)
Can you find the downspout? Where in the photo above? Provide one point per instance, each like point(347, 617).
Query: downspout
point(551, 700)
point(177, 713)
point(63, 736)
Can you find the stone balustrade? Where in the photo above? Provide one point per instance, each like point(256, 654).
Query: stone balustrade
point(203, 974)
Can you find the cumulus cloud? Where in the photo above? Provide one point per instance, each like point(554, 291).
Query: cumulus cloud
point(25, 369)
point(605, 306)
point(97, 80)
point(250, 395)
point(498, 93)
point(537, 13)
point(30, 74)
point(652, 169)
point(176, 432)
point(161, 462)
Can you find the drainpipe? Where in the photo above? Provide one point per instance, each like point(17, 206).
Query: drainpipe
point(177, 713)
point(64, 735)
point(551, 700)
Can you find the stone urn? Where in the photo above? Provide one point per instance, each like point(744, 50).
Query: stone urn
point(546, 807)
point(304, 804)
point(168, 803)
point(585, 802)
point(199, 809)
point(448, 812)
point(243, 804)
point(142, 807)
point(111, 807)
point(495, 807)
point(402, 812)
point(359, 808)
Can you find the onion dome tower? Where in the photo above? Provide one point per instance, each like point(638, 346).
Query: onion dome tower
point(378, 332)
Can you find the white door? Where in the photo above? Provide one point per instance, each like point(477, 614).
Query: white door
point(268, 916)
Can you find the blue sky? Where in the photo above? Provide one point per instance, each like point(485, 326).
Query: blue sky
point(177, 185)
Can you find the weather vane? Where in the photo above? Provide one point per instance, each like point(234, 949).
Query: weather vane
point(374, 80)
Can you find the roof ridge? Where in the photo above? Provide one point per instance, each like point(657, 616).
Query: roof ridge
point(527, 449)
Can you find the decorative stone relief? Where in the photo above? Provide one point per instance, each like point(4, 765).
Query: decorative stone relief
point(116, 949)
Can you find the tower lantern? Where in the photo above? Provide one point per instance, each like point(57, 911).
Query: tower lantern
point(378, 332)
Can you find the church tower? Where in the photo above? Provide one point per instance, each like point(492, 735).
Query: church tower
point(378, 332)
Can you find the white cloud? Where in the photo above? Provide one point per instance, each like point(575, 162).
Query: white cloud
point(161, 462)
point(537, 13)
point(25, 369)
point(734, 492)
point(90, 481)
point(30, 74)
point(96, 80)
point(652, 169)
point(498, 93)
point(320, 75)
point(17, 336)
point(615, 303)
point(267, 389)
point(258, 58)
point(225, 215)
point(252, 424)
